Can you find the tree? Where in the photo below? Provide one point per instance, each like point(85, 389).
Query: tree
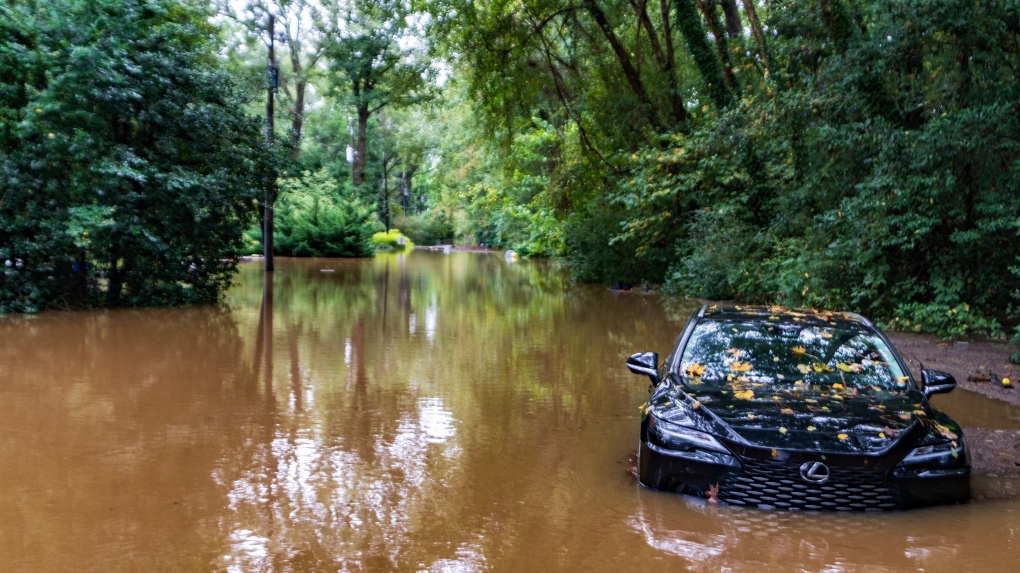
point(128, 165)
point(370, 68)
point(307, 28)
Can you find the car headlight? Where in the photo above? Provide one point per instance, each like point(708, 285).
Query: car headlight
point(676, 437)
point(944, 455)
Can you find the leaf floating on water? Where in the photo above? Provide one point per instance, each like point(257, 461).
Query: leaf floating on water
point(750, 416)
point(798, 350)
point(696, 404)
point(782, 430)
point(739, 366)
point(881, 435)
point(811, 428)
point(825, 334)
point(695, 370)
point(787, 411)
point(820, 368)
point(713, 493)
point(735, 352)
point(804, 368)
point(848, 367)
point(775, 453)
point(744, 394)
point(838, 386)
point(842, 437)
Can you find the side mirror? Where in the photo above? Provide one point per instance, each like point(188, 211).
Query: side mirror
point(936, 382)
point(646, 363)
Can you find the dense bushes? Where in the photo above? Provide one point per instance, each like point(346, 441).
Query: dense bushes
point(882, 174)
point(426, 228)
point(127, 164)
point(853, 155)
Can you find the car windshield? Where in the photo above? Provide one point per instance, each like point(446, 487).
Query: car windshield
point(735, 354)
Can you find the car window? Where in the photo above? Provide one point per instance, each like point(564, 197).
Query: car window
point(814, 358)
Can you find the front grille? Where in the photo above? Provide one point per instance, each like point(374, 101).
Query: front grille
point(778, 485)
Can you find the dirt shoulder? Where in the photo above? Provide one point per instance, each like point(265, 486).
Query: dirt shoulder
point(977, 365)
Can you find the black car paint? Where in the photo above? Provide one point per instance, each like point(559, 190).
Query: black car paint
point(750, 430)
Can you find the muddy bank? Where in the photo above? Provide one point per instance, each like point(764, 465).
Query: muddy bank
point(977, 365)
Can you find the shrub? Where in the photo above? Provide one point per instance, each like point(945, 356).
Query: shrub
point(391, 240)
point(315, 217)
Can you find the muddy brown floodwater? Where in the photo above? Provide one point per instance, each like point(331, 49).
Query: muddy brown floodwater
point(425, 412)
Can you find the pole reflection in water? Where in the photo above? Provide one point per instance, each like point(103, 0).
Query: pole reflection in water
point(470, 416)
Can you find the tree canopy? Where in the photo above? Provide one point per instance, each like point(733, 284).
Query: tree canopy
point(128, 163)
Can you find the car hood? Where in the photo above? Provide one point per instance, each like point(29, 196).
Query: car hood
point(839, 423)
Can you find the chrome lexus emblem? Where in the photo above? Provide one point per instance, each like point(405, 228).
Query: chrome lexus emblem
point(814, 472)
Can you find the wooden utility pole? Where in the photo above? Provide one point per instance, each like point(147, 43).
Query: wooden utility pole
point(267, 229)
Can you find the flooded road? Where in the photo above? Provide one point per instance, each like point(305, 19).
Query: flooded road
point(425, 412)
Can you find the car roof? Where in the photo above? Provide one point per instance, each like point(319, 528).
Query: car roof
point(776, 313)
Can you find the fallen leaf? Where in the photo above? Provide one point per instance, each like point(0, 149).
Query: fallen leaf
point(798, 350)
point(842, 436)
point(735, 352)
point(811, 428)
point(738, 366)
point(695, 370)
point(838, 386)
point(787, 411)
point(782, 431)
point(881, 435)
point(820, 368)
point(696, 404)
point(713, 493)
point(743, 394)
point(750, 416)
point(804, 368)
point(825, 334)
point(775, 453)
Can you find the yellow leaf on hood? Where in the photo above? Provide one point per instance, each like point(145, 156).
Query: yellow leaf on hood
point(738, 366)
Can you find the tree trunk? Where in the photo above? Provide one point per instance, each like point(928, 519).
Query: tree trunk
point(297, 122)
point(301, 83)
point(689, 22)
point(712, 18)
point(358, 172)
point(676, 102)
point(631, 73)
point(733, 26)
point(752, 17)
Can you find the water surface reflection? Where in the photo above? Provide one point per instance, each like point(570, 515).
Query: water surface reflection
point(421, 412)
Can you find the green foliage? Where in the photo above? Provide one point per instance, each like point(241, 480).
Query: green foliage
point(391, 240)
point(316, 217)
point(127, 166)
point(426, 229)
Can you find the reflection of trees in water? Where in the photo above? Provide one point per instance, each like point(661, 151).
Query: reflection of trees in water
point(113, 420)
point(414, 387)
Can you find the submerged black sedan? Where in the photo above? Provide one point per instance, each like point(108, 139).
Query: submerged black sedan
point(776, 408)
